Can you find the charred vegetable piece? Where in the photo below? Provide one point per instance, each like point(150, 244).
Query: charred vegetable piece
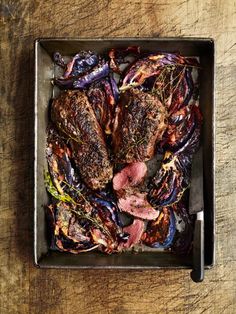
point(69, 234)
point(106, 212)
point(100, 95)
point(139, 124)
point(107, 199)
point(171, 181)
point(172, 85)
point(58, 59)
point(99, 213)
point(117, 56)
point(98, 72)
point(182, 125)
point(151, 65)
point(58, 155)
point(182, 242)
point(174, 175)
point(81, 63)
point(191, 145)
point(182, 90)
point(160, 232)
point(134, 232)
point(74, 116)
point(114, 87)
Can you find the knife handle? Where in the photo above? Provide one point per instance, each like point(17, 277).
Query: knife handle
point(197, 274)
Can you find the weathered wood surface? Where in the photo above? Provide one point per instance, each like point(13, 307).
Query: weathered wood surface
point(24, 289)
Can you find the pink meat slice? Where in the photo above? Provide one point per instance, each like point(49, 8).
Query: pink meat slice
point(135, 231)
point(130, 200)
point(131, 175)
point(136, 204)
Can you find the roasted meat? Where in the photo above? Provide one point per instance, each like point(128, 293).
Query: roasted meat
point(131, 199)
point(129, 176)
point(140, 122)
point(136, 204)
point(74, 116)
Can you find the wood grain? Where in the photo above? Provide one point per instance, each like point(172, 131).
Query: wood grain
point(25, 289)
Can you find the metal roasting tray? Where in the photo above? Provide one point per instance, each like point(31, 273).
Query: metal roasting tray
point(44, 72)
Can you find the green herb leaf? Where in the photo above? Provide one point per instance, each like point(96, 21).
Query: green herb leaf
point(54, 192)
point(75, 209)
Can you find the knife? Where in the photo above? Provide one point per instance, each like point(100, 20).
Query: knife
point(196, 206)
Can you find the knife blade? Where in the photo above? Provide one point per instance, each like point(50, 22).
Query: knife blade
point(196, 206)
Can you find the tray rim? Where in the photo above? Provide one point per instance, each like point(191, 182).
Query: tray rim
point(38, 42)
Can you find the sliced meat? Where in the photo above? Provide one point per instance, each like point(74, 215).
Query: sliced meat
point(139, 124)
point(74, 116)
point(136, 204)
point(135, 231)
point(130, 199)
point(131, 175)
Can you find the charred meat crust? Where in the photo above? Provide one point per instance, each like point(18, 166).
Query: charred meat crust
point(140, 122)
point(74, 116)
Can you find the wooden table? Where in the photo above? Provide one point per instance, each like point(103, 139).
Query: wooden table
point(25, 289)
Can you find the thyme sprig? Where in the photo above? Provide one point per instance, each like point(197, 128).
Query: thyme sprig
point(76, 139)
point(161, 90)
point(54, 192)
point(76, 208)
point(166, 67)
point(77, 191)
